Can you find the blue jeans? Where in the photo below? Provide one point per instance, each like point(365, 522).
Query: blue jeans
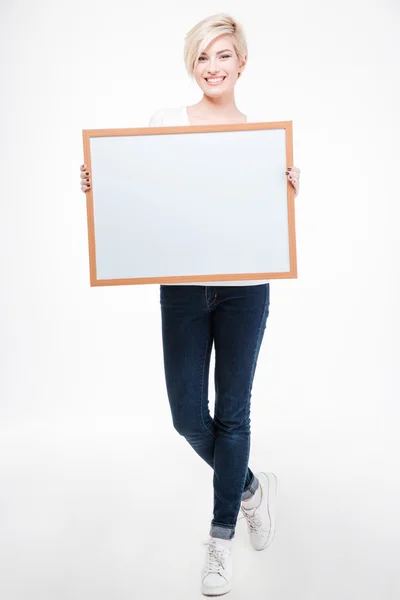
point(234, 319)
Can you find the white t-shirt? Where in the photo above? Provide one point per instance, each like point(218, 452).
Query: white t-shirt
point(174, 117)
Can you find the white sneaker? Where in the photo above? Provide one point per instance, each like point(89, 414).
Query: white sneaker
point(216, 578)
point(261, 520)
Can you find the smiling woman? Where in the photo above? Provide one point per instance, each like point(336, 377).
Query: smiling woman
point(231, 315)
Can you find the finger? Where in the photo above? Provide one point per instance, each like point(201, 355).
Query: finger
point(85, 173)
point(85, 188)
point(85, 180)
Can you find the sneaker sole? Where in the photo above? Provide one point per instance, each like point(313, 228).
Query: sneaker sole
point(220, 591)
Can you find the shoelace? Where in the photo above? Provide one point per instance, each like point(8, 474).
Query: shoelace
point(253, 521)
point(215, 560)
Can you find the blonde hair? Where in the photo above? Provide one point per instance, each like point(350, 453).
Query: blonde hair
point(200, 36)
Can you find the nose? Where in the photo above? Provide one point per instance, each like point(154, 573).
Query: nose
point(213, 67)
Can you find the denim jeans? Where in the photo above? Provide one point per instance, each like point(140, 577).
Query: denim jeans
point(234, 319)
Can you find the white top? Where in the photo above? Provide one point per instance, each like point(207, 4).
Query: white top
point(170, 117)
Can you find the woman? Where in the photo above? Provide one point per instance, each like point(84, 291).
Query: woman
point(230, 314)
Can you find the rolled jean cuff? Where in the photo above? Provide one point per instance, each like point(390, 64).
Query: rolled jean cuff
point(251, 489)
point(218, 531)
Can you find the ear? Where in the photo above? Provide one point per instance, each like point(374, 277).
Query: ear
point(243, 63)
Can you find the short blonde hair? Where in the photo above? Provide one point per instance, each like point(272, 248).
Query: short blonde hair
point(200, 36)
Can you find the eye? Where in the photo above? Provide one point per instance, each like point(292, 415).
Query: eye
point(201, 58)
point(226, 56)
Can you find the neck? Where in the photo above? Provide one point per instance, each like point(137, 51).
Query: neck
point(219, 105)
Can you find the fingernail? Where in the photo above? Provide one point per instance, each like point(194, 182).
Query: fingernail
point(289, 168)
point(87, 173)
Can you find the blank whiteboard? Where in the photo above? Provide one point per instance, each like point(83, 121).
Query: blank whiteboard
point(190, 203)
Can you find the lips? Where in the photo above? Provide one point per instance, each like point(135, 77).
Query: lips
point(215, 80)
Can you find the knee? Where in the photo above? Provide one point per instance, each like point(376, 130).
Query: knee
point(184, 427)
point(188, 425)
point(232, 426)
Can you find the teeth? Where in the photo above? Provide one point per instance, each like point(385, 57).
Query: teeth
point(214, 80)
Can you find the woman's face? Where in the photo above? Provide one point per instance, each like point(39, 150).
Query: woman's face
point(216, 71)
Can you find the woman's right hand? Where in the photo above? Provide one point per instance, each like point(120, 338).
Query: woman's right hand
point(85, 179)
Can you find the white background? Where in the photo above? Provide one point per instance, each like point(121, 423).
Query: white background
point(99, 496)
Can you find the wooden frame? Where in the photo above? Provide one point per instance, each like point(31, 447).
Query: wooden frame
point(100, 160)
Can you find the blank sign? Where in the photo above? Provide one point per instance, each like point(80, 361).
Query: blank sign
point(193, 203)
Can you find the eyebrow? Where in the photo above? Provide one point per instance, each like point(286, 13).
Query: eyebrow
point(220, 52)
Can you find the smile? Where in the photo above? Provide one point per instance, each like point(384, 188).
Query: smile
point(214, 80)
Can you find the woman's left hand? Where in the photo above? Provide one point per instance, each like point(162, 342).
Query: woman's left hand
point(293, 174)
